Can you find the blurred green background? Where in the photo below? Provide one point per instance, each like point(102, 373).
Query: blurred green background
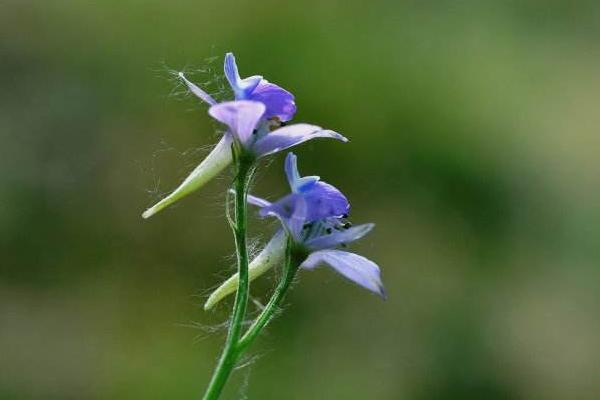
point(474, 148)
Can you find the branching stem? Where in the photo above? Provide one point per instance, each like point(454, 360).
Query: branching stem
point(235, 343)
point(231, 353)
point(287, 277)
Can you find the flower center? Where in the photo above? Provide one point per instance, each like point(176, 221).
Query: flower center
point(324, 227)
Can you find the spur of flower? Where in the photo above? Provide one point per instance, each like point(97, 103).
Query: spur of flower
point(314, 223)
point(256, 125)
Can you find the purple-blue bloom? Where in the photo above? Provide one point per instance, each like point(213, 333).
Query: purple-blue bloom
point(254, 120)
point(246, 123)
point(314, 215)
point(279, 102)
point(323, 200)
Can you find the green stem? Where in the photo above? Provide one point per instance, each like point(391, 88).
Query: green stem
point(230, 351)
point(288, 273)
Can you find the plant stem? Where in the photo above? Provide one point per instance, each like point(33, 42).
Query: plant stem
point(231, 353)
point(288, 273)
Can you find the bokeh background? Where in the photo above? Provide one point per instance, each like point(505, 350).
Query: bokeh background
point(474, 148)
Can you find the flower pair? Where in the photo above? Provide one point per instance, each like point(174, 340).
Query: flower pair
point(314, 215)
point(255, 123)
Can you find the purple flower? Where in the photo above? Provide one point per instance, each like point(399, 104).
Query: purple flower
point(279, 102)
point(254, 120)
point(246, 124)
point(314, 215)
point(324, 240)
point(323, 199)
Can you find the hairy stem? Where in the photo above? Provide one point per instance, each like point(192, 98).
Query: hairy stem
point(231, 352)
point(288, 273)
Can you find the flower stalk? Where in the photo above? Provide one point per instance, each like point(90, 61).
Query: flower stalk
point(231, 352)
point(235, 348)
point(292, 262)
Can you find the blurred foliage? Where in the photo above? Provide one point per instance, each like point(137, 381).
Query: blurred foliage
point(474, 140)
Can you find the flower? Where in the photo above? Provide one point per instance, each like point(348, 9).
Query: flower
point(279, 102)
point(314, 216)
point(255, 120)
point(323, 199)
point(244, 119)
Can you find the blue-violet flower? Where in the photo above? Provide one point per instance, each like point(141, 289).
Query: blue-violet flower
point(255, 120)
point(314, 216)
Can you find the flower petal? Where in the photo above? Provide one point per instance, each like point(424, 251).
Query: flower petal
point(219, 158)
point(324, 201)
point(298, 219)
point(241, 116)
point(291, 135)
point(356, 268)
point(291, 210)
point(201, 94)
point(337, 238)
point(241, 87)
point(257, 201)
point(297, 183)
point(280, 103)
point(271, 255)
point(282, 208)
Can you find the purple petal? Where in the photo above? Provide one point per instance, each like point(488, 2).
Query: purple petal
point(241, 116)
point(298, 219)
point(231, 70)
point(257, 201)
point(356, 268)
point(324, 201)
point(297, 183)
point(338, 238)
point(292, 212)
point(282, 208)
point(280, 103)
point(242, 88)
point(288, 136)
point(201, 94)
